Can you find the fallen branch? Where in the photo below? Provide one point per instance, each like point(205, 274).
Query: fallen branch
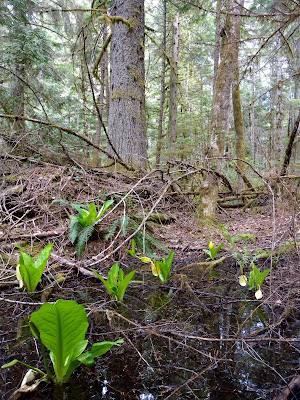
point(206, 265)
point(71, 132)
point(56, 232)
point(68, 263)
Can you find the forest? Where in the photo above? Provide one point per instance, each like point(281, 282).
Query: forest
point(150, 199)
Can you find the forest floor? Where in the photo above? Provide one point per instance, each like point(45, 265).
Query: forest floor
point(198, 336)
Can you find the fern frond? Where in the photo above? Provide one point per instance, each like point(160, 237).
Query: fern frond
point(74, 228)
point(156, 243)
point(83, 237)
point(124, 223)
point(63, 202)
point(111, 230)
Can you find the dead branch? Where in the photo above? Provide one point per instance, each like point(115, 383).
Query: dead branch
point(71, 132)
point(56, 232)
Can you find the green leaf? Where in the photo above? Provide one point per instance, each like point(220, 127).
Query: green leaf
point(98, 349)
point(31, 273)
point(262, 276)
point(10, 364)
point(105, 206)
point(132, 251)
point(116, 284)
point(166, 266)
point(74, 228)
point(112, 277)
point(123, 283)
point(62, 328)
point(105, 283)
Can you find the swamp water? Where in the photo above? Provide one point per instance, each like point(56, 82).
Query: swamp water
point(176, 344)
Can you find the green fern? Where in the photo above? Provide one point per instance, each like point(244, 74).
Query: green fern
point(83, 238)
point(83, 224)
point(129, 225)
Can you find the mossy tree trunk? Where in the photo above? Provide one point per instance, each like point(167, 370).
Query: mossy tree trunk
point(162, 87)
point(236, 94)
point(217, 42)
point(224, 79)
point(127, 116)
point(102, 100)
point(174, 90)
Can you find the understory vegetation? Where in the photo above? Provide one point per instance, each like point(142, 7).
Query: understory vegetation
point(197, 305)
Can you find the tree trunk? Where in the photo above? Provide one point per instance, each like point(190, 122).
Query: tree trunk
point(221, 101)
point(289, 148)
point(217, 42)
point(104, 88)
point(236, 95)
point(127, 116)
point(174, 90)
point(162, 87)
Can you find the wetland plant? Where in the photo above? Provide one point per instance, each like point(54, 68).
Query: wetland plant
point(116, 283)
point(212, 251)
point(161, 269)
point(82, 225)
point(256, 279)
point(61, 327)
point(29, 272)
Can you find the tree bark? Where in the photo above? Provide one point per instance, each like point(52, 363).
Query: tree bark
point(103, 90)
point(162, 87)
point(236, 95)
point(289, 148)
point(221, 101)
point(174, 90)
point(217, 42)
point(127, 116)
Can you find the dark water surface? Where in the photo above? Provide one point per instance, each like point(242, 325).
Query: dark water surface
point(163, 355)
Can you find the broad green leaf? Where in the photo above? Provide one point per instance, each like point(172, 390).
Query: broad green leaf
point(262, 276)
point(166, 266)
point(32, 273)
point(98, 349)
point(116, 284)
point(62, 328)
point(112, 277)
point(208, 252)
point(122, 286)
point(74, 228)
point(105, 283)
point(25, 259)
point(105, 206)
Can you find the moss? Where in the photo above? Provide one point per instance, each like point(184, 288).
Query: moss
point(285, 248)
point(246, 237)
point(12, 178)
point(123, 94)
point(8, 260)
point(138, 78)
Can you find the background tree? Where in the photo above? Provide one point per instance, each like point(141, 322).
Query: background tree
point(127, 115)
